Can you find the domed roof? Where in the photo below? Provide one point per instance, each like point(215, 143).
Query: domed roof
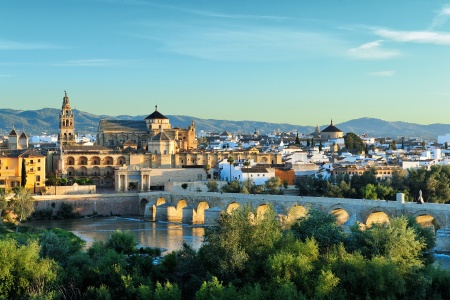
point(331, 128)
point(156, 115)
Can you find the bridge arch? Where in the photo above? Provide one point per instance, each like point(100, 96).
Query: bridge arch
point(142, 204)
point(340, 213)
point(232, 206)
point(262, 210)
point(296, 212)
point(200, 212)
point(376, 215)
point(427, 219)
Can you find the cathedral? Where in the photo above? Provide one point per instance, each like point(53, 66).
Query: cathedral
point(127, 150)
point(153, 134)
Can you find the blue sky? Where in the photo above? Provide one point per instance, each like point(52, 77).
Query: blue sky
point(298, 62)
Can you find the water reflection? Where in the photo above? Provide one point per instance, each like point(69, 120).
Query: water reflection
point(169, 236)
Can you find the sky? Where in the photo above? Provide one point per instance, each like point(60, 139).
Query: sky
point(293, 61)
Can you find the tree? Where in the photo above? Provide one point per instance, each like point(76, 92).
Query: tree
point(22, 204)
point(320, 146)
point(246, 165)
point(320, 226)
point(236, 250)
point(353, 141)
point(273, 185)
point(212, 186)
point(23, 178)
point(3, 205)
point(297, 140)
point(230, 160)
point(24, 275)
point(207, 167)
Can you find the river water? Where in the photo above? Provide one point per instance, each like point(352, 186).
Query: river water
point(168, 236)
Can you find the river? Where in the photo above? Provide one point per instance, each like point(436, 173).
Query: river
point(168, 236)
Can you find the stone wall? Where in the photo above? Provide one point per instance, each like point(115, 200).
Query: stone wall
point(160, 176)
point(86, 205)
point(74, 189)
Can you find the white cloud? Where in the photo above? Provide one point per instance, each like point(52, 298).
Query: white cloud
point(372, 50)
point(425, 37)
point(389, 73)
point(12, 45)
point(441, 18)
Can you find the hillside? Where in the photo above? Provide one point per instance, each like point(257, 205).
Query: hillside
point(46, 121)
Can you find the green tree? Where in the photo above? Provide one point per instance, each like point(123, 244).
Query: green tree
point(369, 191)
point(320, 226)
point(122, 242)
point(237, 248)
point(207, 168)
point(230, 160)
point(297, 140)
point(273, 185)
point(353, 141)
point(22, 203)
point(232, 187)
point(23, 177)
point(320, 146)
point(168, 291)
point(395, 241)
point(3, 205)
point(23, 273)
point(212, 186)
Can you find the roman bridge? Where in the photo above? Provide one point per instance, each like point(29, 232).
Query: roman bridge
point(205, 208)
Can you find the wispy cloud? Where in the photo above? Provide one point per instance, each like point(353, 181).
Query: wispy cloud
point(389, 73)
point(199, 12)
point(445, 94)
point(91, 63)
point(12, 45)
point(424, 37)
point(242, 42)
point(372, 51)
point(441, 18)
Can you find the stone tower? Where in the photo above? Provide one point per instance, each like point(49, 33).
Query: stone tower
point(66, 123)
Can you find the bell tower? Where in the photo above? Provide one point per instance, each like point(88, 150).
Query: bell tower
point(66, 123)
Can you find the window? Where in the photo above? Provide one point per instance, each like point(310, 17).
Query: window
point(39, 160)
point(38, 168)
point(38, 178)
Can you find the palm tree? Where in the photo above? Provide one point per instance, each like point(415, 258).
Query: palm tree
point(22, 204)
point(246, 165)
point(230, 160)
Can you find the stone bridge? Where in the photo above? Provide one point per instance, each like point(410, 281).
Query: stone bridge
point(205, 208)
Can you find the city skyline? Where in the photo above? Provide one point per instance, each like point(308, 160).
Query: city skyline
point(299, 63)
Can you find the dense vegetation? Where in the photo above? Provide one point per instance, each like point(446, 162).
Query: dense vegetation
point(434, 184)
point(248, 256)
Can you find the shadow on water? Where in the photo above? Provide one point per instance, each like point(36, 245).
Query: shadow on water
point(169, 236)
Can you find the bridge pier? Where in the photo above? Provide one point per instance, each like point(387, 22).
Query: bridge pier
point(188, 215)
point(212, 216)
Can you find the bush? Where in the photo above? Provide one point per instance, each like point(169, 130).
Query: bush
point(42, 214)
point(66, 211)
point(122, 242)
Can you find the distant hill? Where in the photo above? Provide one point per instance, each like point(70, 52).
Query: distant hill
point(46, 121)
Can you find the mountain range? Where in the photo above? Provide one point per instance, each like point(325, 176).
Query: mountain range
point(46, 122)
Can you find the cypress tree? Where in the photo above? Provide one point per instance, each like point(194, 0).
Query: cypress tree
point(24, 174)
